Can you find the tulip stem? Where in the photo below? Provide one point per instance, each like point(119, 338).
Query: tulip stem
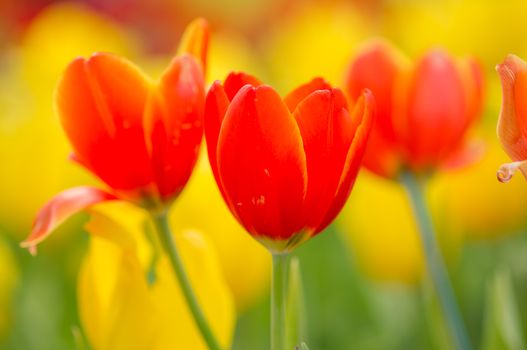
point(435, 264)
point(167, 241)
point(278, 301)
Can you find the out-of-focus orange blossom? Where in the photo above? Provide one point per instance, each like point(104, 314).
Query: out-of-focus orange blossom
point(120, 310)
point(201, 207)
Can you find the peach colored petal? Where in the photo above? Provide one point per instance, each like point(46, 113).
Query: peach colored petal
point(60, 208)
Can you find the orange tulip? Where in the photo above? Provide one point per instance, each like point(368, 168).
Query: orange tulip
point(512, 124)
point(285, 167)
point(140, 137)
point(423, 112)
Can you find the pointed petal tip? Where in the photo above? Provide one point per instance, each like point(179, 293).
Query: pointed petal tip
point(369, 102)
point(236, 80)
point(30, 246)
point(510, 66)
point(59, 209)
point(195, 40)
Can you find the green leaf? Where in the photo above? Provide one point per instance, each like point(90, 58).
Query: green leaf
point(502, 321)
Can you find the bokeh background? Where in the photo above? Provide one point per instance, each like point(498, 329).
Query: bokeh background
point(363, 279)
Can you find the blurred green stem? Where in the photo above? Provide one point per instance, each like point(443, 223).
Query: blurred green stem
point(434, 262)
point(167, 241)
point(278, 301)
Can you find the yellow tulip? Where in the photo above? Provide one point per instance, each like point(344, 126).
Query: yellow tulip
point(245, 263)
point(120, 310)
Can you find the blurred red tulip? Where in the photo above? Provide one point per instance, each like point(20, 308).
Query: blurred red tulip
point(423, 112)
point(285, 167)
point(512, 124)
point(140, 137)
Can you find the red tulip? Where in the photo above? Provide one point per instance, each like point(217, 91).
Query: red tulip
point(285, 167)
point(512, 124)
point(423, 112)
point(140, 137)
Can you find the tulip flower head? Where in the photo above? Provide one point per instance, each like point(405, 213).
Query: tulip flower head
point(139, 136)
point(285, 167)
point(512, 124)
point(423, 111)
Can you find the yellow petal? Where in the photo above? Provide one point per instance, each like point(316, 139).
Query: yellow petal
point(119, 310)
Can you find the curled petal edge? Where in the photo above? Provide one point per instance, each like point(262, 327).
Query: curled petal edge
point(60, 208)
point(507, 171)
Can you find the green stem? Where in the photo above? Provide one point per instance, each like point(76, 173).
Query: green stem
point(278, 301)
point(167, 241)
point(435, 264)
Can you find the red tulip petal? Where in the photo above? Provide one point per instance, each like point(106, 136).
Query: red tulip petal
point(262, 164)
point(60, 208)
point(216, 105)
point(512, 123)
point(100, 102)
point(327, 132)
point(435, 125)
point(300, 93)
point(195, 41)
point(174, 124)
point(236, 80)
point(362, 125)
point(378, 68)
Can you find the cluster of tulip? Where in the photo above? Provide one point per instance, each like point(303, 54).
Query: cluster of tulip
point(285, 167)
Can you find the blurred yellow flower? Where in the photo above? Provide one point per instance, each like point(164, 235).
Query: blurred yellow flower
point(380, 230)
point(59, 34)
point(8, 282)
point(477, 204)
point(200, 206)
point(120, 310)
point(318, 41)
point(467, 203)
point(31, 141)
point(488, 29)
point(229, 53)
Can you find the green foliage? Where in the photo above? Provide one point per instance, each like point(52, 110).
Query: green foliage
point(502, 329)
